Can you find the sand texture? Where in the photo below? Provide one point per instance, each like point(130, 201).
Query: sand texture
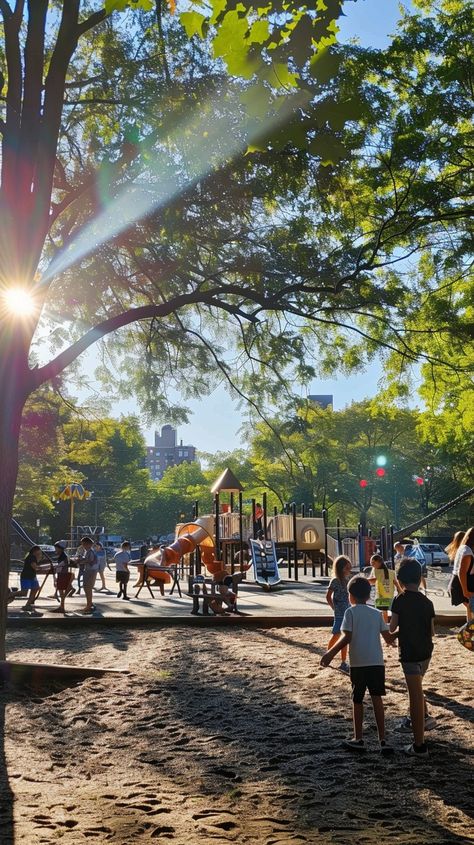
point(225, 736)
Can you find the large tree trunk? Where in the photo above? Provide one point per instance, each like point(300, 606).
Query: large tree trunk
point(14, 388)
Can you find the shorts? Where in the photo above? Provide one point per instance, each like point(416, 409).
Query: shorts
point(63, 580)
point(383, 604)
point(415, 667)
point(455, 591)
point(102, 564)
point(336, 628)
point(29, 583)
point(89, 577)
point(122, 577)
point(367, 677)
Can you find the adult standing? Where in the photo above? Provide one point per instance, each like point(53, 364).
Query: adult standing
point(464, 560)
point(87, 558)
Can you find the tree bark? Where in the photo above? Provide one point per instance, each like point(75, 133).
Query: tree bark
point(14, 388)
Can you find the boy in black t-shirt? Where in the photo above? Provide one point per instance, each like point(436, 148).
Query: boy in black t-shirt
point(413, 616)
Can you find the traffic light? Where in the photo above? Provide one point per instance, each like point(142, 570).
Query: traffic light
point(418, 480)
point(380, 472)
point(381, 461)
point(363, 483)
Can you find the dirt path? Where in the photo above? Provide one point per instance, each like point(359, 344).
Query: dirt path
point(226, 736)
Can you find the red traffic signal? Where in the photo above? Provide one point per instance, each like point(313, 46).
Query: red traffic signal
point(363, 482)
point(380, 472)
point(420, 481)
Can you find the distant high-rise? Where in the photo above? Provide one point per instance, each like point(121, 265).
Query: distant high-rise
point(323, 400)
point(165, 453)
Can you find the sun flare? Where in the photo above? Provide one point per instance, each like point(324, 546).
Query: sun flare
point(19, 301)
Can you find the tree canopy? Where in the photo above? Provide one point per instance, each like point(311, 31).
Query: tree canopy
point(226, 193)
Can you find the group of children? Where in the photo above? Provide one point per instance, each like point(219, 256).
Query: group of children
point(90, 561)
point(360, 627)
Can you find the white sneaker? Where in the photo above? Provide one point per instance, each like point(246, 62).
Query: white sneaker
point(405, 724)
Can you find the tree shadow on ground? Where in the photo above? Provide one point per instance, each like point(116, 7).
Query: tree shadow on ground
point(72, 642)
point(6, 794)
point(237, 720)
point(288, 743)
point(37, 691)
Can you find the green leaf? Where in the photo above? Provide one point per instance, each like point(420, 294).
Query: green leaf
point(231, 45)
point(218, 7)
point(121, 5)
point(279, 76)
point(259, 32)
point(193, 23)
point(325, 65)
point(329, 149)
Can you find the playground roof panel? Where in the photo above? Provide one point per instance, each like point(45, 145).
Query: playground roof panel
point(227, 481)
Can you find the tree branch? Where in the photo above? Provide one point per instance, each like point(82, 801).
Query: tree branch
point(66, 43)
point(133, 315)
point(91, 22)
point(12, 23)
point(32, 91)
point(5, 10)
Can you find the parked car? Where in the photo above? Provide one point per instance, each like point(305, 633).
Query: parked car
point(434, 554)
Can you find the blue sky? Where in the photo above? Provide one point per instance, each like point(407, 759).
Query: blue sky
point(215, 420)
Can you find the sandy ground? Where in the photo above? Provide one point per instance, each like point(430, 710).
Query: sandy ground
point(225, 736)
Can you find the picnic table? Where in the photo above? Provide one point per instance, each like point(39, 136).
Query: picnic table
point(152, 570)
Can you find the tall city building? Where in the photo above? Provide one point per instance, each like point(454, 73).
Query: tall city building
point(323, 400)
point(166, 453)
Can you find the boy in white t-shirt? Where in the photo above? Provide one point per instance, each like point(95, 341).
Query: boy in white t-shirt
point(362, 628)
point(122, 572)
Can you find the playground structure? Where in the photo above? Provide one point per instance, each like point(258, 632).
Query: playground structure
point(189, 537)
point(304, 541)
point(265, 563)
point(220, 542)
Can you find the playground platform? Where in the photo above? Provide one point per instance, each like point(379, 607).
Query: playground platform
point(292, 603)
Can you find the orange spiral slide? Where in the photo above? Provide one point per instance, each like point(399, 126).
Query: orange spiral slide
point(190, 535)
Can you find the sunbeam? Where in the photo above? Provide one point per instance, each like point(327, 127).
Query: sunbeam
point(216, 142)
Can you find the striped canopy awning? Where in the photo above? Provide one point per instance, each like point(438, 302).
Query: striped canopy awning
point(73, 490)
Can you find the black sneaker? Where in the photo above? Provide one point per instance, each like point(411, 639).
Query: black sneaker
point(386, 750)
point(416, 750)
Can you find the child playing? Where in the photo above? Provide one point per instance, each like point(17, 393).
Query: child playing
point(122, 572)
point(337, 598)
point(28, 577)
point(398, 549)
point(385, 583)
point(362, 627)
point(412, 619)
point(87, 560)
point(64, 578)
